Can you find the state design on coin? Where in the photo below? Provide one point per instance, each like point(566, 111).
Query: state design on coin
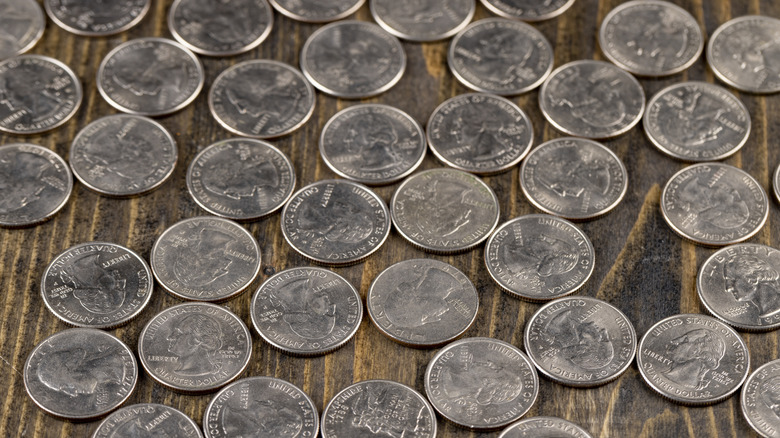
point(96, 18)
point(760, 399)
point(316, 11)
point(21, 26)
point(544, 427)
point(528, 10)
point(147, 420)
point(422, 21)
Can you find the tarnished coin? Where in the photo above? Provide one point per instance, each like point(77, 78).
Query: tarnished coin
point(335, 222)
point(761, 400)
point(544, 427)
point(147, 420)
point(96, 18)
point(353, 59)
point(21, 26)
point(261, 99)
point(35, 183)
point(306, 311)
point(574, 178)
point(693, 359)
point(241, 179)
point(592, 99)
point(423, 20)
point(422, 302)
point(378, 408)
point(123, 155)
point(261, 407)
point(317, 11)
point(528, 10)
point(150, 77)
point(481, 383)
point(38, 94)
point(500, 56)
point(97, 285)
point(372, 144)
point(714, 204)
point(80, 374)
point(205, 259)
point(195, 347)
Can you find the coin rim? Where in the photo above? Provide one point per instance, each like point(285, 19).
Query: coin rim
point(38, 34)
point(417, 39)
point(182, 416)
point(492, 8)
point(63, 25)
point(776, 183)
point(291, 14)
point(508, 432)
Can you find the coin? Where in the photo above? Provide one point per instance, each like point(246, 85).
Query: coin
point(241, 179)
point(372, 144)
point(80, 374)
point(500, 56)
point(21, 26)
point(528, 10)
point(38, 94)
point(714, 204)
point(316, 11)
point(147, 420)
point(742, 53)
point(205, 259)
point(150, 77)
point(759, 399)
point(481, 383)
point(352, 59)
point(96, 18)
point(195, 347)
point(306, 311)
point(123, 155)
point(262, 407)
point(422, 302)
point(776, 183)
point(693, 359)
point(375, 408)
point(36, 183)
point(444, 210)
point(335, 222)
point(261, 99)
point(544, 427)
point(574, 178)
point(213, 28)
point(423, 21)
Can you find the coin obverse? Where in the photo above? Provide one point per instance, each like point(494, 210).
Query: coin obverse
point(423, 20)
point(21, 26)
point(759, 399)
point(96, 18)
point(306, 311)
point(528, 10)
point(147, 420)
point(317, 11)
point(544, 427)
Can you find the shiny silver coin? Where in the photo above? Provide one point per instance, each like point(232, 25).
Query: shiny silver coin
point(500, 56)
point(96, 18)
point(261, 407)
point(21, 26)
point(205, 259)
point(80, 374)
point(759, 399)
point(195, 347)
point(528, 10)
point(422, 302)
point(693, 359)
point(36, 184)
point(574, 178)
point(147, 420)
point(335, 222)
point(261, 99)
point(374, 408)
point(241, 179)
point(317, 11)
point(714, 204)
point(776, 183)
point(423, 20)
point(697, 121)
point(38, 94)
point(353, 59)
point(150, 77)
point(592, 99)
point(481, 383)
point(123, 155)
point(539, 257)
point(544, 427)
point(372, 144)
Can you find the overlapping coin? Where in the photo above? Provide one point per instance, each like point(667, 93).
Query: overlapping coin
point(423, 20)
point(317, 11)
point(21, 26)
point(544, 427)
point(760, 397)
point(101, 18)
point(528, 10)
point(147, 420)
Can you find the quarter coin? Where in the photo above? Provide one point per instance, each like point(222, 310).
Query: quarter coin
point(317, 11)
point(423, 21)
point(776, 183)
point(544, 427)
point(147, 420)
point(90, 18)
point(528, 10)
point(759, 399)
point(21, 26)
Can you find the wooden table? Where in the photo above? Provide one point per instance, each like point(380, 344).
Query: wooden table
point(642, 267)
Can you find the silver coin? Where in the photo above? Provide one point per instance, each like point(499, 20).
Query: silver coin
point(317, 11)
point(539, 257)
point(213, 28)
point(697, 121)
point(423, 21)
point(261, 99)
point(335, 222)
point(500, 56)
point(378, 408)
point(693, 359)
point(444, 211)
point(123, 155)
point(38, 94)
point(422, 302)
point(97, 284)
point(21, 26)
point(150, 77)
point(574, 178)
point(592, 99)
point(544, 427)
point(36, 183)
point(205, 259)
point(147, 420)
point(261, 407)
point(759, 399)
point(241, 179)
point(481, 383)
point(714, 204)
point(776, 183)
point(353, 59)
point(96, 18)
point(306, 311)
point(80, 374)
point(372, 144)
point(195, 347)
point(528, 10)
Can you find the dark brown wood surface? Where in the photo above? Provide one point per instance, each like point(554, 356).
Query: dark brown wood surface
point(642, 267)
